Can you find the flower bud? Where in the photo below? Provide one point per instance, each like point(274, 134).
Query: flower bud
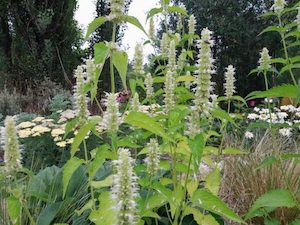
point(265, 60)
point(138, 61)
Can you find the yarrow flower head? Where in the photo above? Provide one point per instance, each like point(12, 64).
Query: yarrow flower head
point(229, 81)
point(149, 86)
point(135, 102)
point(153, 157)
point(81, 100)
point(169, 89)
point(124, 189)
point(12, 155)
point(152, 29)
point(265, 60)
point(172, 56)
point(111, 117)
point(138, 60)
point(205, 70)
point(164, 44)
point(117, 8)
point(278, 6)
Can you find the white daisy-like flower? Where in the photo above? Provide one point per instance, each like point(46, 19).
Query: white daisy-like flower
point(285, 132)
point(249, 135)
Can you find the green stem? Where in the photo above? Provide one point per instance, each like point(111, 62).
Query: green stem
point(99, 105)
point(89, 178)
point(286, 52)
point(112, 74)
point(32, 222)
point(228, 106)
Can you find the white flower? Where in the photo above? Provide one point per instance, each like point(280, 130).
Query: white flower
point(288, 108)
point(265, 60)
point(153, 156)
point(169, 89)
point(152, 29)
point(135, 103)
point(229, 81)
point(192, 25)
point(252, 116)
point(285, 132)
point(12, 155)
point(138, 60)
point(249, 135)
point(165, 44)
point(124, 189)
point(256, 109)
point(205, 70)
point(282, 115)
point(116, 9)
point(91, 70)
point(278, 6)
point(172, 57)
point(111, 117)
point(149, 86)
point(26, 124)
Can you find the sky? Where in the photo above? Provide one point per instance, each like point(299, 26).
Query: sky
point(138, 8)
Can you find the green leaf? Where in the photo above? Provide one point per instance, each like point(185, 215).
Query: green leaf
point(177, 9)
point(185, 78)
point(120, 61)
point(273, 29)
point(197, 146)
point(271, 222)
point(96, 164)
point(103, 183)
point(289, 67)
point(82, 133)
point(14, 208)
point(101, 52)
point(270, 160)
point(144, 121)
point(134, 21)
point(48, 214)
point(213, 181)
point(278, 91)
point(94, 25)
point(233, 151)
point(276, 199)
point(210, 202)
point(222, 115)
point(105, 215)
point(69, 168)
point(235, 97)
point(153, 12)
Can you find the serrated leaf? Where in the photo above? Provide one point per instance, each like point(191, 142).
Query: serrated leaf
point(279, 91)
point(144, 121)
point(276, 199)
point(210, 202)
point(185, 78)
point(213, 181)
point(14, 209)
point(197, 146)
point(94, 25)
point(177, 9)
point(120, 61)
point(69, 168)
point(233, 151)
point(153, 12)
point(107, 182)
point(134, 21)
point(273, 29)
point(289, 67)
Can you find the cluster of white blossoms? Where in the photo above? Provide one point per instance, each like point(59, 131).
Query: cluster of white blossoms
point(192, 28)
point(278, 6)
point(286, 115)
point(10, 142)
point(169, 96)
point(81, 99)
point(117, 8)
point(135, 102)
point(205, 70)
point(193, 123)
point(91, 70)
point(164, 44)
point(249, 135)
point(149, 86)
point(264, 60)
point(138, 59)
point(111, 117)
point(229, 81)
point(124, 189)
point(152, 35)
point(153, 157)
point(172, 57)
point(182, 59)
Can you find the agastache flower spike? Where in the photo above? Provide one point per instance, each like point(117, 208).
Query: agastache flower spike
point(124, 189)
point(278, 6)
point(135, 102)
point(182, 59)
point(179, 24)
point(229, 81)
point(12, 155)
point(116, 9)
point(111, 117)
point(81, 100)
point(265, 60)
point(172, 57)
point(138, 59)
point(153, 157)
point(149, 86)
point(193, 123)
point(169, 89)
point(164, 44)
point(91, 70)
point(205, 70)
point(152, 29)
point(192, 25)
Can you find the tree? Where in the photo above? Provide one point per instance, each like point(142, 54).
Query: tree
point(40, 38)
